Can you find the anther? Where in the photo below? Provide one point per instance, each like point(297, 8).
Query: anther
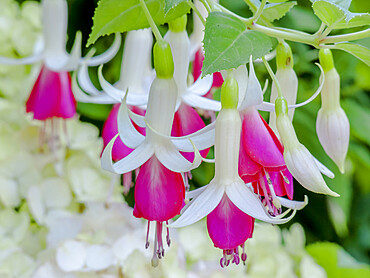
point(284, 178)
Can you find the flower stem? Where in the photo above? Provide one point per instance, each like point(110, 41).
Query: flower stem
point(191, 5)
point(273, 77)
point(205, 4)
point(258, 13)
point(347, 37)
point(152, 24)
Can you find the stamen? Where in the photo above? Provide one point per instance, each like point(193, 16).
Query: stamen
point(263, 185)
point(168, 236)
point(275, 200)
point(155, 258)
point(160, 251)
point(244, 254)
point(284, 178)
point(65, 130)
point(127, 182)
point(147, 236)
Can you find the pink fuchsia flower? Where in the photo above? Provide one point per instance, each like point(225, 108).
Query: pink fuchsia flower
point(51, 96)
point(119, 150)
point(160, 187)
point(159, 196)
point(135, 77)
point(52, 50)
point(227, 196)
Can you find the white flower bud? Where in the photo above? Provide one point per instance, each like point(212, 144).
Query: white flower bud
point(298, 159)
point(332, 124)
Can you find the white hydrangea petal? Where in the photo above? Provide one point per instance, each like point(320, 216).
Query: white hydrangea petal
point(248, 202)
point(71, 256)
point(56, 193)
point(108, 54)
point(131, 162)
point(99, 257)
point(126, 129)
point(171, 158)
point(9, 192)
point(201, 86)
point(126, 244)
point(201, 206)
point(36, 204)
point(201, 102)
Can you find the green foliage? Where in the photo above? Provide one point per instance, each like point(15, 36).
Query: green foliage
point(169, 4)
point(121, 16)
point(338, 17)
point(359, 51)
point(336, 261)
point(229, 44)
point(276, 11)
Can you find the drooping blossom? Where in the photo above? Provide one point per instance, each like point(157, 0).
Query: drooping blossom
point(156, 152)
point(287, 78)
point(51, 96)
point(229, 204)
point(135, 77)
point(119, 150)
point(332, 125)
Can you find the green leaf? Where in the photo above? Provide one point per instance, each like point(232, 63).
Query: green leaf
point(356, 50)
point(94, 111)
point(337, 17)
point(276, 11)
point(169, 4)
point(121, 16)
point(336, 261)
point(277, 1)
point(341, 3)
point(229, 44)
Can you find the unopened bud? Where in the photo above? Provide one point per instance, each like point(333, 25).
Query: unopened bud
point(163, 61)
point(230, 93)
point(179, 24)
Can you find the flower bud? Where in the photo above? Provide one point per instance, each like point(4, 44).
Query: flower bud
point(163, 61)
point(179, 24)
point(230, 93)
point(298, 159)
point(287, 79)
point(332, 124)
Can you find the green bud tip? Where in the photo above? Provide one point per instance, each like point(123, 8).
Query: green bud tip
point(281, 106)
point(230, 93)
point(284, 56)
point(163, 62)
point(179, 24)
point(326, 59)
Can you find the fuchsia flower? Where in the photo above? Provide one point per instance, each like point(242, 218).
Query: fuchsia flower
point(51, 96)
point(119, 151)
point(229, 204)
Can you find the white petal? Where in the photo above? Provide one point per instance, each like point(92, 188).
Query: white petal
point(82, 97)
point(21, 61)
point(108, 88)
point(36, 204)
point(253, 95)
point(171, 158)
point(249, 203)
point(296, 205)
point(138, 119)
point(201, 102)
point(56, 193)
point(195, 193)
point(108, 54)
point(71, 256)
point(99, 257)
point(85, 82)
point(270, 107)
point(323, 169)
point(131, 162)
point(202, 139)
point(201, 86)
point(127, 131)
point(74, 58)
point(201, 206)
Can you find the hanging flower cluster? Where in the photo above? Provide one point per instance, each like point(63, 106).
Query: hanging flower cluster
point(155, 129)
